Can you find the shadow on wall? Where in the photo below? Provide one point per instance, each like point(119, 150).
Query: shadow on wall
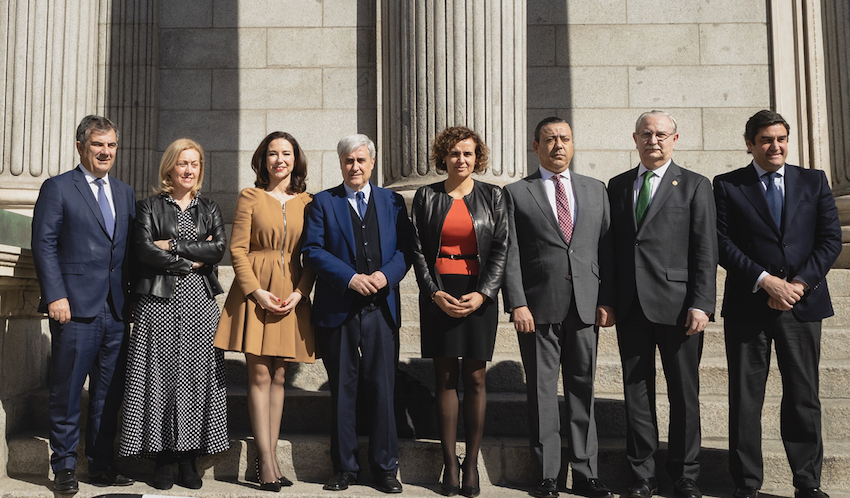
point(549, 89)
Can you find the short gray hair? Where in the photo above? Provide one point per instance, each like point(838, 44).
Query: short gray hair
point(94, 123)
point(350, 143)
point(656, 113)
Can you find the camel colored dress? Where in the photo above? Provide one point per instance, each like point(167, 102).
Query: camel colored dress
point(265, 250)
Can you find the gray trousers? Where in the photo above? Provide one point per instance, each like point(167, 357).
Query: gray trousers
point(571, 345)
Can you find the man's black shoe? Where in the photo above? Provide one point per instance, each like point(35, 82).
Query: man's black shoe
point(746, 492)
point(65, 481)
point(687, 488)
point(810, 493)
point(643, 488)
point(387, 483)
point(547, 488)
point(592, 488)
point(109, 477)
point(340, 481)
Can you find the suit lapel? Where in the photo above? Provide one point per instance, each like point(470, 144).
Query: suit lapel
point(753, 190)
point(580, 195)
point(386, 220)
point(85, 191)
point(538, 193)
point(628, 194)
point(342, 212)
point(669, 181)
point(792, 194)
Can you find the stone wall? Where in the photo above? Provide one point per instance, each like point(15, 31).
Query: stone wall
point(233, 71)
point(600, 63)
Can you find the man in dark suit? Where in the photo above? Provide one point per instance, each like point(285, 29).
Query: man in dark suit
point(559, 290)
point(358, 242)
point(80, 229)
point(779, 234)
point(663, 219)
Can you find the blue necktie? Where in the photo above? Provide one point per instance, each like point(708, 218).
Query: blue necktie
point(105, 210)
point(774, 198)
point(361, 205)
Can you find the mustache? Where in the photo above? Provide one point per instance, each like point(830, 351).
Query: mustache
point(653, 147)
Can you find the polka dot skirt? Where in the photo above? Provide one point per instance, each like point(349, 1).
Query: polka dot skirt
point(175, 397)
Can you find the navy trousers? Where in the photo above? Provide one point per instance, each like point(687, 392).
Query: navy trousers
point(95, 348)
point(363, 346)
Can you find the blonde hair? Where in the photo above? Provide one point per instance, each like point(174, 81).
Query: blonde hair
point(169, 162)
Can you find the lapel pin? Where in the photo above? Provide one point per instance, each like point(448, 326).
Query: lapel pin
point(675, 182)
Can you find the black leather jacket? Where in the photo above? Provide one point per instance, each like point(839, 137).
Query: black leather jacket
point(485, 203)
point(156, 219)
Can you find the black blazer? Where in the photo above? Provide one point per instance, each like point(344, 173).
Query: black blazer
point(806, 246)
point(156, 219)
point(670, 263)
point(485, 203)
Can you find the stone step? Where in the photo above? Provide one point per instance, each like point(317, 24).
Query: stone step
point(504, 463)
point(309, 412)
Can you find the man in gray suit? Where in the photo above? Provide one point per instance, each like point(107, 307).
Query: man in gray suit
point(559, 290)
point(663, 220)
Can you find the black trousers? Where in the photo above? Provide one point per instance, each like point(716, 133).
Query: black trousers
point(680, 358)
point(363, 346)
point(748, 344)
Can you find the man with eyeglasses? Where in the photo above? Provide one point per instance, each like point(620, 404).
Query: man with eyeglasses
point(663, 218)
point(779, 234)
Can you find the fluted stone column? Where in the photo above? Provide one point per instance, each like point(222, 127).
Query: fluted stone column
point(836, 27)
point(131, 63)
point(49, 82)
point(447, 63)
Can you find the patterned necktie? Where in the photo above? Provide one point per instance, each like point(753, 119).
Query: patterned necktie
point(105, 210)
point(774, 197)
point(643, 198)
point(565, 220)
point(361, 205)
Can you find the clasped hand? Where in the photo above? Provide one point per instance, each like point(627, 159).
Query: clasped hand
point(367, 285)
point(459, 308)
point(783, 294)
point(273, 304)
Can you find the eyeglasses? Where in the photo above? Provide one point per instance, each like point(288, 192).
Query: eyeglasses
point(184, 164)
point(647, 136)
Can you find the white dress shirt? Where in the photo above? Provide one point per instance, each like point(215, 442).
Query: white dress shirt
point(549, 186)
point(779, 181)
point(350, 194)
point(90, 178)
point(654, 182)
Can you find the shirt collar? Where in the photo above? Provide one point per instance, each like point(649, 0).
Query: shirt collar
point(659, 172)
point(90, 178)
point(545, 174)
point(761, 171)
point(367, 191)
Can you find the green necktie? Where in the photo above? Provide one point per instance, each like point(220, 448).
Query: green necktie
point(643, 198)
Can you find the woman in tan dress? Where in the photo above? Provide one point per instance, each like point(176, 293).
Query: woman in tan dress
point(267, 313)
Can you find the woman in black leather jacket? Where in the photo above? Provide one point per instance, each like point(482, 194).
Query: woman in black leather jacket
point(460, 251)
point(175, 395)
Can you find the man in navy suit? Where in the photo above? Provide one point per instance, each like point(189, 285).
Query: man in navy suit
point(80, 229)
point(778, 234)
point(358, 242)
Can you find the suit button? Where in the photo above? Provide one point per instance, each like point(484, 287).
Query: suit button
point(637, 243)
point(784, 244)
point(569, 277)
point(365, 243)
point(571, 251)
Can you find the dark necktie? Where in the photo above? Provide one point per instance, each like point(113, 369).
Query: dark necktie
point(565, 220)
point(361, 205)
point(774, 197)
point(643, 198)
point(105, 210)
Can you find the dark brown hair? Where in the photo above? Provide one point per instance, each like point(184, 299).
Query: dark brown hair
point(298, 177)
point(449, 138)
point(763, 119)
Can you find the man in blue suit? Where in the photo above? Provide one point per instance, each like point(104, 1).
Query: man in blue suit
point(80, 229)
point(358, 242)
point(778, 235)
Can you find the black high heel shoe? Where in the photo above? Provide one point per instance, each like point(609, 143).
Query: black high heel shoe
point(266, 486)
point(467, 490)
point(450, 489)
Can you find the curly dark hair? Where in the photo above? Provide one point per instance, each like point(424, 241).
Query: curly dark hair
point(449, 138)
point(298, 177)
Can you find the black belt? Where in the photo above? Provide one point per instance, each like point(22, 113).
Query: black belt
point(458, 256)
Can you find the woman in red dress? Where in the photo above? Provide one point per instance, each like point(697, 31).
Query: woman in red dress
point(460, 249)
